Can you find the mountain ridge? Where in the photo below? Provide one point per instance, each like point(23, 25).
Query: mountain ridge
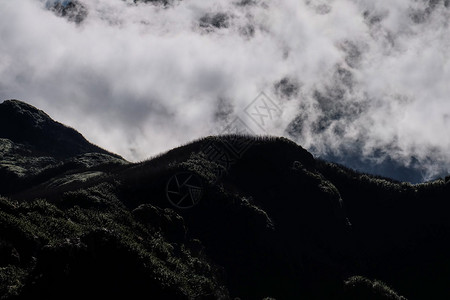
point(31, 142)
point(267, 220)
point(23, 123)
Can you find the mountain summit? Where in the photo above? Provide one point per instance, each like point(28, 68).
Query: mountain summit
point(24, 124)
point(31, 142)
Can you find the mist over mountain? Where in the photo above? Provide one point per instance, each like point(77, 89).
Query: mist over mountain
point(356, 82)
point(266, 149)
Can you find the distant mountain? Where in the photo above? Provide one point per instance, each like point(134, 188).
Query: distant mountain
point(222, 217)
point(382, 164)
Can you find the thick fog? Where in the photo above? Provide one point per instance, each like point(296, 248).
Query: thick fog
point(351, 80)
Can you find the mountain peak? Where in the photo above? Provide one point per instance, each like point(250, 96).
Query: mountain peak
point(23, 123)
point(27, 112)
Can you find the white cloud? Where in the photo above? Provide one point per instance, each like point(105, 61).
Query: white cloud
point(140, 79)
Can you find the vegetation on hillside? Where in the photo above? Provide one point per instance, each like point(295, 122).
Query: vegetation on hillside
point(269, 220)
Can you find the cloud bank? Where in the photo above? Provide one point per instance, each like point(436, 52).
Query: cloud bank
point(351, 77)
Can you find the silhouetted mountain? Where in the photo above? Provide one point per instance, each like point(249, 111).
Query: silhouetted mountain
point(24, 124)
point(219, 218)
point(31, 143)
point(382, 165)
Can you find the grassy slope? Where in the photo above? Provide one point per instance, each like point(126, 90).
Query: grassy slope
point(276, 224)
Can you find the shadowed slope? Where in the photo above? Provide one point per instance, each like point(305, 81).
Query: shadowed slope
point(269, 221)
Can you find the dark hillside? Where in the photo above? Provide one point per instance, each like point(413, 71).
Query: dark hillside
point(24, 124)
point(32, 144)
point(219, 218)
point(402, 229)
